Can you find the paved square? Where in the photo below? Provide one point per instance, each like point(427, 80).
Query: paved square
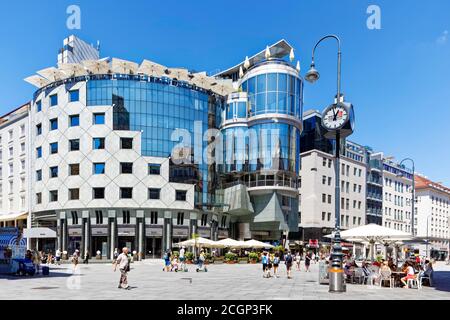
point(221, 282)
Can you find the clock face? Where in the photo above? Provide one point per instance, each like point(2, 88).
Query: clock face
point(335, 117)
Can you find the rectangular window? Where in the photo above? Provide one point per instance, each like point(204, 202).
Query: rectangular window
point(324, 162)
point(74, 194)
point(22, 147)
point(324, 180)
point(180, 195)
point(74, 120)
point(74, 145)
point(39, 106)
point(154, 169)
point(98, 143)
point(99, 168)
point(126, 216)
point(347, 204)
point(329, 216)
point(53, 100)
point(39, 129)
point(329, 163)
point(354, 220)
point(126, 193)
point(204, 221)
point(154, 217)
point(354, 171)
point(54, 124)
point(180, 218)
point(39, 152)
point(126, 168)
point(74, 215)
point(359, 221)
point(38, 198)
point(154, 194)
point(53, 172)
point(98, 216)
point(39, 175)
point(359, 172)
point(74, 169)
point(54, 196)
point(329, 198)
point(98, 118)
point(324, 198)
point(11, 152)
point(54, 148)
point(126, 143)
point(74, 95)
point(323, 216)
point(98, 193)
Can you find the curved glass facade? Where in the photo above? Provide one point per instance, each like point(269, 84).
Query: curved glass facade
point(274, 93)
point(157, 107)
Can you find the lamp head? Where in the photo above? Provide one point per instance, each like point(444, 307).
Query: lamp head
point(312, 75)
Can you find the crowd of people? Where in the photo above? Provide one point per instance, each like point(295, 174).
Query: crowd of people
point(414, 268)
point(271, 262)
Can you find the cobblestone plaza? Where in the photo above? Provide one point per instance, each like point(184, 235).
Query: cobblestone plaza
point(221, 282)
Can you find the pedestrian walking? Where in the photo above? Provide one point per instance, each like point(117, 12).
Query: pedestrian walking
point(37, 261)
point(86, 257)
point(265, 263)
point(183, 259)
point(288, 261)
point(123, 261)
point(167, 263)
point(75, 257)
point(307, 261)
point(269, 265)
point(276, 263)
point(58, 257)
point(298, 259)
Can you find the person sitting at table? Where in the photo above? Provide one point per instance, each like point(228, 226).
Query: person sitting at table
point(427, 272)
point(410, 274)
point(370, 274)
point(385, 272)
point(392, 264)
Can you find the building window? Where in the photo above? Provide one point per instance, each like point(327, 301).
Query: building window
point(126, 143)
point(22, 163)
point(154, 169)
point(39, 129)
point(74, 194)
point(154, 217)
point(204, 221)
point(359, 221)
point(54, 196)
point(54, 124)
point(354, 171)
point(329, 198)
point(54, 148)
point(11, 169)
point(223, 222)
point(180, 195)
point(22, 147)
point(354, 220)
point(324, 198)
point(39, 175)
point(126, 216)
point(74, 215)
point(359, 204)
point(74, 145)
point(53, 100)
point(38, 198)
point(74, 169)
point(323, 216)
point(324, 180)
point(98, 143)
point(126, 193)
point(154, 194)
point(11, 152)
point(53, 172)
point(324, 162)
point(329, 181)
point(329, 216)
point(98, 217)
point(329, 163)
point(39, 106)
point(74, 95)
point(99, 168)
point(74, 120)
point(98, 193)
point(126, 168)
point(180, 218)
point(99, 118)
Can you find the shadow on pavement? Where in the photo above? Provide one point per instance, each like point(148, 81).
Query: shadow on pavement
point(63, 273)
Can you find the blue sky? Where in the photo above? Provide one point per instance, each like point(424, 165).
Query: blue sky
point(398, 78)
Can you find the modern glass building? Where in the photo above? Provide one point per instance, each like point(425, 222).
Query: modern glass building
point(261, 126)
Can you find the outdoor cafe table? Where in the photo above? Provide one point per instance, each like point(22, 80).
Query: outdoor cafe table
point(397, 276)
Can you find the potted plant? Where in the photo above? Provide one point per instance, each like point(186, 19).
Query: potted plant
point(208, 258)
point(218, 260)
point(253, 257)
point(189, 257)
point(230, 258)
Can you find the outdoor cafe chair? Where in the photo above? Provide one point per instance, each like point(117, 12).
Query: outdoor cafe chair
point(386, 276)
point(414, 283)
point(359, 275)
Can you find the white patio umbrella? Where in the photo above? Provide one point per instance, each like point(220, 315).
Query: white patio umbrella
point(52, 74)
point(151, 68)
point(373, 233)
point(37, 81)
point(124, 66)
point(200, 242)
point(73, 69)
point(231, 243)
point(257, 245)
point(96, 66)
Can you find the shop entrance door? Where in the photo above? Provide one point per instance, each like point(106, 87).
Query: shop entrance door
point(99, 244)
point(74, 244)
point(126, 242)
point(153, 248)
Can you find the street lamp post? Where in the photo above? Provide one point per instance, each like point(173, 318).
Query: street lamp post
point(413, 200)
point(338, 120)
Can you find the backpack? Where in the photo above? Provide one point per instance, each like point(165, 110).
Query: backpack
point(276, 260)
point(288, 258)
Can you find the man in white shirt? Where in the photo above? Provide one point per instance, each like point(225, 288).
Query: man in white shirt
point(182, 259)
point(58, 257)
point(124, 267)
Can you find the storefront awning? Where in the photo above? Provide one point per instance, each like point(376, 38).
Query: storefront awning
point(13, 217)
point(39, 233)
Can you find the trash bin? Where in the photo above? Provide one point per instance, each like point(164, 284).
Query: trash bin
point(323, 273)
point(45, 271)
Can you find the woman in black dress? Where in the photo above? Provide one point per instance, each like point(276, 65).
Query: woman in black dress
point(307, 261)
